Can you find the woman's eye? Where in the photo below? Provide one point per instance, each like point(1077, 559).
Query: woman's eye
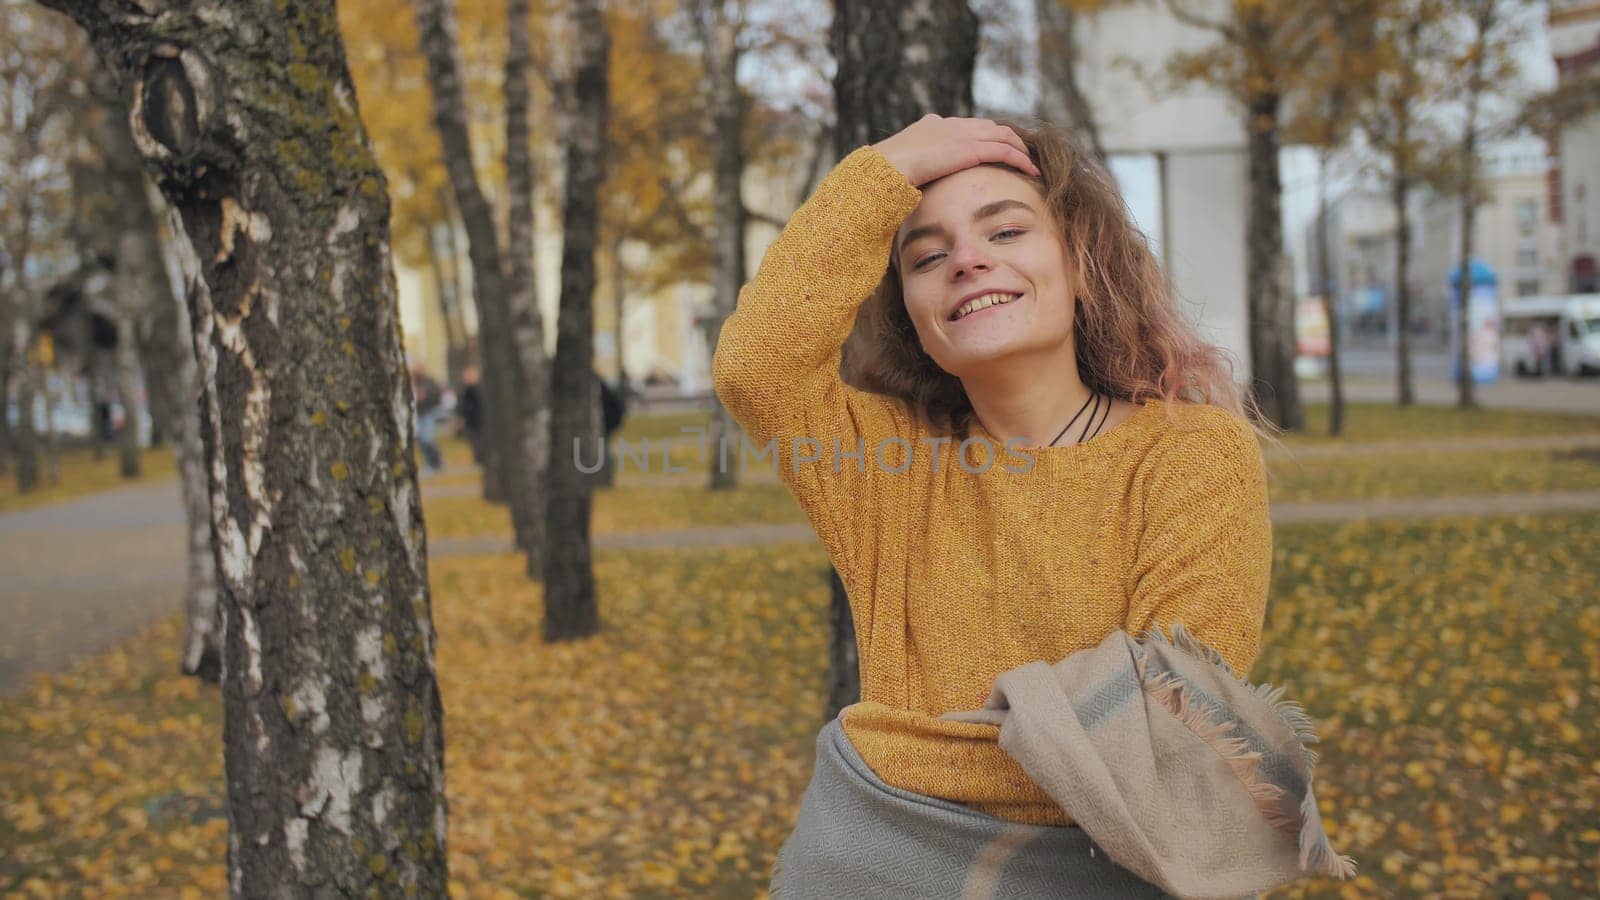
point(932, 257)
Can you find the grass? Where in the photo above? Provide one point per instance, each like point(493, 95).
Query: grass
point(1371, 422)
point(1433, 474)
point(635, 504)
point(626, 509)
point(82, 474)
point(1449, 663)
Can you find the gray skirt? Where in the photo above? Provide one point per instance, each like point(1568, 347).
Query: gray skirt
point(858, 836)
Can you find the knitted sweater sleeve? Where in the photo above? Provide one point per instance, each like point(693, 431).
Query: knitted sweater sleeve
point(776, 363)
point(1205, 555)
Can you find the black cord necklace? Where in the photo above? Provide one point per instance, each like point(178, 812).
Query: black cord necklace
point(1103, 419)
point(1092, 396)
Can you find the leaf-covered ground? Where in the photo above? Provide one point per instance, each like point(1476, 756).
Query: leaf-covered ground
point(1454, 667)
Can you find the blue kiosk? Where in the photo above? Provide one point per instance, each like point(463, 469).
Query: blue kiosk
point(1483, 322)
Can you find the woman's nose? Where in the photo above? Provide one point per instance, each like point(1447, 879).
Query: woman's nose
point(968, 257)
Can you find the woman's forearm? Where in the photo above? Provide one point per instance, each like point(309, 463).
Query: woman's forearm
point(780, 347)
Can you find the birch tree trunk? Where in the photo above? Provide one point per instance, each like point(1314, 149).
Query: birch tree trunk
point(927, 50)
point(202, 642)
point(506, 385)
point(527, 329)
point(571, 608)
point(1273, 383)
point(1484, 19)
point(332, 729)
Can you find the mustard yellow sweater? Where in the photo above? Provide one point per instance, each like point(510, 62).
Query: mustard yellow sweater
point(955, 572)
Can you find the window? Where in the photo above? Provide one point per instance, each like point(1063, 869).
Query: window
point(1527, 257)
point(1528, 287)
point(1527, 216)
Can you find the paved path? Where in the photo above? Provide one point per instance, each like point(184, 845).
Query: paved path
point(82, 575)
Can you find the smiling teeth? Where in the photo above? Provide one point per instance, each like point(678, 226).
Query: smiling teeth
point(984, 302)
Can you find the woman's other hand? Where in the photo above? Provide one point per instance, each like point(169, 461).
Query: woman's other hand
point(935, 146)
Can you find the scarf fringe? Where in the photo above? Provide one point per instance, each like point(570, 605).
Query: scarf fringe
point(1210, 724)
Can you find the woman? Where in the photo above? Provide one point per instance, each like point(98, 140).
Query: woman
point(1044, 452)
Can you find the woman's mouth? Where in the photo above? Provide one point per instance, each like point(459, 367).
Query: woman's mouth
point(979, 304)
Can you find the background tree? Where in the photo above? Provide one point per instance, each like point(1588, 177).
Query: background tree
point(1396, 118)
point(1486, 59)
point(128, 229)
point(928, 51)
point(1062, 99)
point(1340, 70)
point(43, 68)
point(656, 148)
point(333, 742)
point(514, 368)
point(571, 608)
point(1260, 47)
point(719, 30)
point(390, 73)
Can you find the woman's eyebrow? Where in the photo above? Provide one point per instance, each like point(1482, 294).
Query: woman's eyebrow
point(982, 212)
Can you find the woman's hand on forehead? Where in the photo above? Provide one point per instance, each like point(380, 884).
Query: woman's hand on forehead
point(935, 146)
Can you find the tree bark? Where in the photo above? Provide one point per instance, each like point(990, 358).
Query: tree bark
point(533, 396)
point(571, 608)
point(332, 729)
point(927, 49)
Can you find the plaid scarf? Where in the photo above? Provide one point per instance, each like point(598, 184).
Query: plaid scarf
point(1181, 771)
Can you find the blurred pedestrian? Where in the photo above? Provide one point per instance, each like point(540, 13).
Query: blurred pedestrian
point(613, 408)
point(429, 397)
point(1539, 347)
point(470, 408)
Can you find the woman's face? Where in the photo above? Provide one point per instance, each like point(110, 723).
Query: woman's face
point(981, 231)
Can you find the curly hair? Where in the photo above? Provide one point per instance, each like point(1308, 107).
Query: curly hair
point(1132, 341)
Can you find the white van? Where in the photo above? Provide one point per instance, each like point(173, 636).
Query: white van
point(1567, 326)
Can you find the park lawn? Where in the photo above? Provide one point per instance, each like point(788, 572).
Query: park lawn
point(635, 504)
point(1432, 474)
point(654, 507)
point(1366, 422)
point(1453, 667)
point(82, 474)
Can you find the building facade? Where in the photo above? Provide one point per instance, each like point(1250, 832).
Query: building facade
point(1574, 34)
